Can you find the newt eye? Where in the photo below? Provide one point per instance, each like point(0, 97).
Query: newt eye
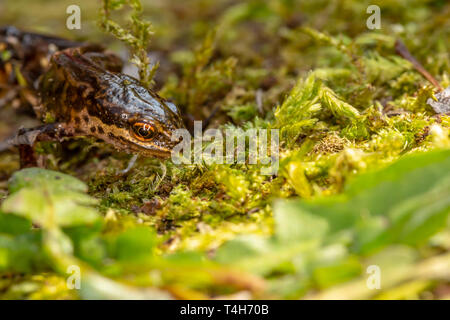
point(143, 131)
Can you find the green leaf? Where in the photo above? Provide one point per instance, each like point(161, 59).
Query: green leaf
point(241, 248)
point(21, 253)
point(270, 257)
point(410, 176)
point(377, 192)
point(37, 177)
point(44, 207)
point(135, 244)
point(49, 198)
point(294, 224)
point(13, 225)
point(97, 287)
point(413, 221)
point(88, 244)
point(337, 272)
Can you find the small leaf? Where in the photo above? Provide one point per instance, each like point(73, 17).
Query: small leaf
point(44, 207)
point(37, 177)
point(21, 253)
point(49, 198)
point(337, 272)
point(13, 225)
point(135, 244)
point(292, 223)
point(241, 248)
point(97, 287)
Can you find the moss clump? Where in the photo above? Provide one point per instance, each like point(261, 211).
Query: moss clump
point(137, 35)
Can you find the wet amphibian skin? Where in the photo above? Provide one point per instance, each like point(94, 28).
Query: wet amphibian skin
point(82, 93)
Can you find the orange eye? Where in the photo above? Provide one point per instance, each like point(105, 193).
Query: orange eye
point(143, 131)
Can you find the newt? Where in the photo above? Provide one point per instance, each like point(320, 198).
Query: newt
point(79, 90)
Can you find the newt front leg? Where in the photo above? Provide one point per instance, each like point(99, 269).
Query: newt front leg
point(27, 138)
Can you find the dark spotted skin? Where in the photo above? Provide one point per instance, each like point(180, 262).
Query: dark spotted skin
point(82, 90)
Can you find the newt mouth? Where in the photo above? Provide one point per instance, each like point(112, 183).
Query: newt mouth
point(150, 151)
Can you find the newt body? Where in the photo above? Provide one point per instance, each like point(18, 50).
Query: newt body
point(80, 88)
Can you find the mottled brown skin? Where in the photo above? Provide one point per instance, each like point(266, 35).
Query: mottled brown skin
point(82, 90)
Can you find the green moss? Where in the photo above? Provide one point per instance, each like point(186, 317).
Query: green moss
point(137, 35)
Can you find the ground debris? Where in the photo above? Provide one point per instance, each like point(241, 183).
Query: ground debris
point(442, 102)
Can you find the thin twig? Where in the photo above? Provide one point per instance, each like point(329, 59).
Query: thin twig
point(403, 51)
